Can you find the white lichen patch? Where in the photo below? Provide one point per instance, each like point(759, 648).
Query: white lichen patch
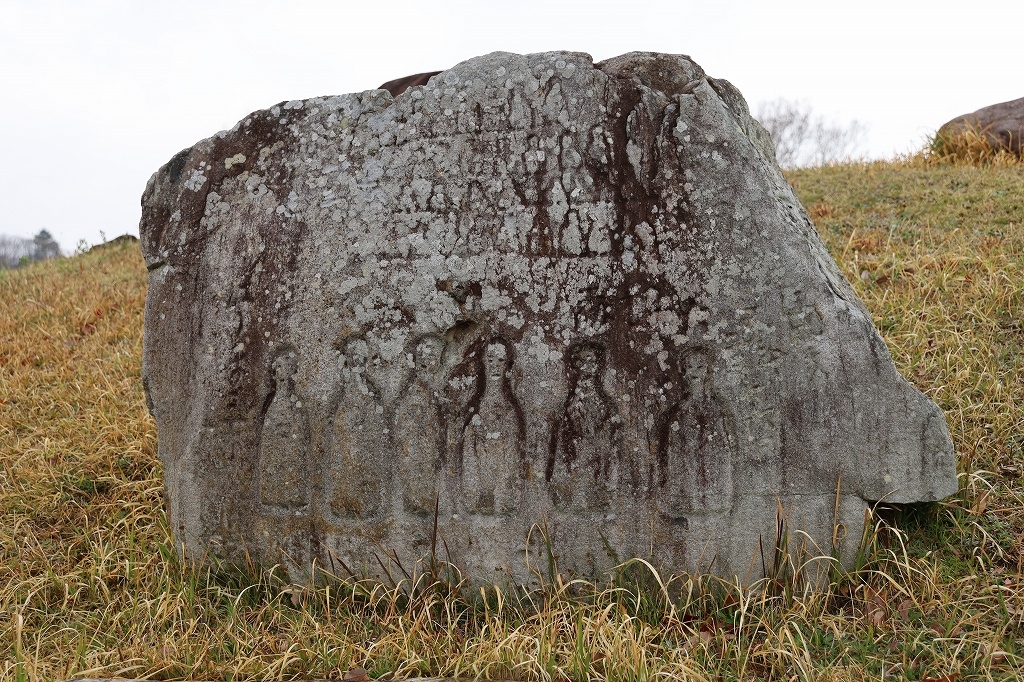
point(234, 161)
point(196, 180)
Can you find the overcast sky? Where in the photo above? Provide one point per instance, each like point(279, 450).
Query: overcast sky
point(97, 94)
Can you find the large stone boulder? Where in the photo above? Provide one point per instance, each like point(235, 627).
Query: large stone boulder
point(1002, 125)
point(534, 303)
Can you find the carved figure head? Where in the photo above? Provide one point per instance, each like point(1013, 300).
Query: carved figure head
point(285, 366)
point(586, 360)
point(497, 359)
point(428, 354)
point(695, 368)
point(355, 353)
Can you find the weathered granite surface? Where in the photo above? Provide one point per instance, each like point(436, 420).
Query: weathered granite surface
point(534, 293)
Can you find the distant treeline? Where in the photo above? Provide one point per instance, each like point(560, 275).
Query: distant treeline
point(16, 251)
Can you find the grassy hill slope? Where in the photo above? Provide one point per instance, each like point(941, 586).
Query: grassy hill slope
point(89, 582)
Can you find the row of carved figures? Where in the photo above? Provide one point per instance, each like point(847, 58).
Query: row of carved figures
point(463, 431)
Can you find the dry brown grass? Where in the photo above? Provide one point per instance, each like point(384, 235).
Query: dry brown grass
point(89, 584)
point(969, 147)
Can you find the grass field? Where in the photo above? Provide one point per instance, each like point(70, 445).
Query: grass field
point(89, 584)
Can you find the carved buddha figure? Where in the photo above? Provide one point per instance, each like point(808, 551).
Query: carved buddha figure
point(284, 446)
point(492, 438)
point(420, 428)
point(697, 443)
point(360, 446)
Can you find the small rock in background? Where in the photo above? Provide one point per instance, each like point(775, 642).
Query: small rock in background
point(1002, 125)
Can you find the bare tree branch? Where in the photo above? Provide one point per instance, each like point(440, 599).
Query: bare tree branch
point(802, 139)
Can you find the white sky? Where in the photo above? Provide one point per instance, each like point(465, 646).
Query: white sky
point(95, 95)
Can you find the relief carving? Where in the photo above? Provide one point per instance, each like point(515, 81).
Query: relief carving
point(493, 435)
point(284, 446)
point(360, 447)
point(420, 428)
point(586, 464)
point(606, 221)
point(697, 442)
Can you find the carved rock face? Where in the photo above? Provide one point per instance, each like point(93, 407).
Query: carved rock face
point(533, 293)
